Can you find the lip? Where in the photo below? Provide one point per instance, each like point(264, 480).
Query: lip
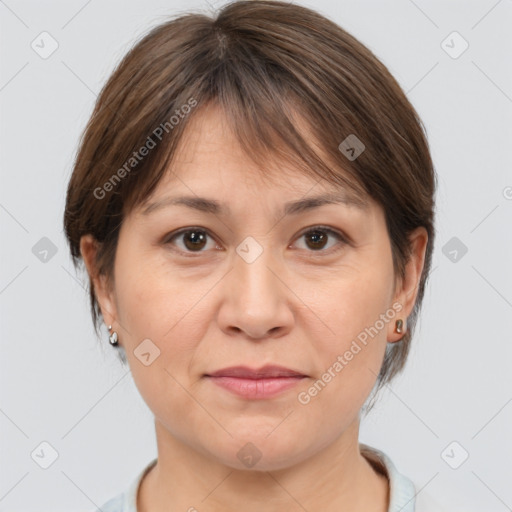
point(256, 383)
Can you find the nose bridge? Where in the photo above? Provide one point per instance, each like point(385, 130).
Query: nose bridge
point(258, 286)
point(255, 301)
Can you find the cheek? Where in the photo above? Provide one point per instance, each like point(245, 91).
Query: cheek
point(159, 320)
point(355, 305)
point(155, 305)
point(153, 302)
point(352, 353)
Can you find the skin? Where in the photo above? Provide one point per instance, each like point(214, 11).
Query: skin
point(295, 305)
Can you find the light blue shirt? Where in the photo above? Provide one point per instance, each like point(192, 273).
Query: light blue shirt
point(402, 491)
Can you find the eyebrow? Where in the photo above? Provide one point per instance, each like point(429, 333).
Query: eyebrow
point(213, 206)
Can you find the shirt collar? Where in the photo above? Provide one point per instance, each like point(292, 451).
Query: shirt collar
point(402, 493)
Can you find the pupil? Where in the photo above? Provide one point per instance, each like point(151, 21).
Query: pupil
point(194, 239)
point(318, 239)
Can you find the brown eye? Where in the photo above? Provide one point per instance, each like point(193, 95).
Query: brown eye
point(317, 239)
point(194, 240)
point(322, 239)
point(191, 240)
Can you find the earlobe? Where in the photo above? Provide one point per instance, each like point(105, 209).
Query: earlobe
point(103, 293)
point(400, 328)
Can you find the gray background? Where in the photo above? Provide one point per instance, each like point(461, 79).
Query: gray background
point(60, 386)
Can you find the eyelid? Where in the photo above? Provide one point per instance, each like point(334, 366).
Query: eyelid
point(174, 234)
point(333, 231)
point(342, 237)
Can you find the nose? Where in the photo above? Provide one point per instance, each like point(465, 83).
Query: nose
point(256, 303)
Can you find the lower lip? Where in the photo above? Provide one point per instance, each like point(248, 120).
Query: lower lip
point(256, 388)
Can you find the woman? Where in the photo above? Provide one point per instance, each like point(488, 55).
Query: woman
point(253, 200)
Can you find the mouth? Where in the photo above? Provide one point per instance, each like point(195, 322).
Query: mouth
point(261, 383)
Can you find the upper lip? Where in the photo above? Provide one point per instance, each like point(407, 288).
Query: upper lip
point(265, 372)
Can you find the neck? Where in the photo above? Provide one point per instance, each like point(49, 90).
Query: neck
point(338, 478)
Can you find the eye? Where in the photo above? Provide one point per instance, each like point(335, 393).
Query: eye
point(317, 239)
point(192, 240)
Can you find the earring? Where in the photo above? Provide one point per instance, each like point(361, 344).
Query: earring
point(113, 337)
point(399, 326)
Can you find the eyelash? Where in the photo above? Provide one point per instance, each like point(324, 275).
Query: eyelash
point(343, 239)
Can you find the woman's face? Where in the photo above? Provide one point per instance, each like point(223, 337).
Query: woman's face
point(206, 296)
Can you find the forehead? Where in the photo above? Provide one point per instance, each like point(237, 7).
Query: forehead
point(210, 150)
point(209, 160)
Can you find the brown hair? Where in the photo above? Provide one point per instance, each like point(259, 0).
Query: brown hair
point(265, 63)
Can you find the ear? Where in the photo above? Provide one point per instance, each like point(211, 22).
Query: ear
point(407, 287)
point(104, 294)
